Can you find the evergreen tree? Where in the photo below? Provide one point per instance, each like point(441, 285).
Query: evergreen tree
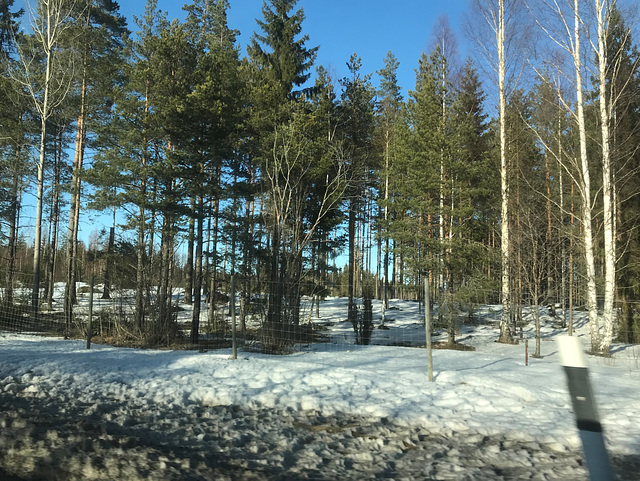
point(357, 129)
point(416, 174)
point(98, 32)
point(388, 113)
point(281, 51)
point(130, 146)
point(209, 123)
point(281, 62)
point(624, 91)
point(14, 111)
point(475, 190)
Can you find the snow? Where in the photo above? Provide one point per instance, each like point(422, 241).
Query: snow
point(488, 392)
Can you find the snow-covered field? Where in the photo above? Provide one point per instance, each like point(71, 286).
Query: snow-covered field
point(329, 411)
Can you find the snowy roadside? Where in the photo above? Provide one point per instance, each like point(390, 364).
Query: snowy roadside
point(72, 440)
point(114, 413)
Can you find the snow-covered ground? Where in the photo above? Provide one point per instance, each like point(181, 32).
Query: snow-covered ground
point(328, 411)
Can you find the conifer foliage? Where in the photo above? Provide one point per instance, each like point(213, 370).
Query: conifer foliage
point(214, 164)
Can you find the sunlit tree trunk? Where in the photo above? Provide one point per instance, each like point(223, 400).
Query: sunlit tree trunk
point(608, 316)
point(74, 213)
point(585, 187)
point(505, 335)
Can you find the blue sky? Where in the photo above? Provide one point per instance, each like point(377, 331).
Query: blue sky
point(369, 28)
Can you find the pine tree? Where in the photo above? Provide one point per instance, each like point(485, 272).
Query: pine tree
point(388, 113)
point(122, 170)
point(45, 72)
point(13, 129)
point(624, 91)
point(357, 128)
point(99, 30)
point(209, 123)
point(281, 62)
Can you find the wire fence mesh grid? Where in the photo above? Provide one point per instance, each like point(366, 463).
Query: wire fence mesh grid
point(267, 318)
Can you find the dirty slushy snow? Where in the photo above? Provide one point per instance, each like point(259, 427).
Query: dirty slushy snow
point(328, 411)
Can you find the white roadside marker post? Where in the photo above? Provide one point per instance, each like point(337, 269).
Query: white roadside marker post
point(584, 406)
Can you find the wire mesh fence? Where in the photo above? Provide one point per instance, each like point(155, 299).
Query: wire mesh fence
point(268, 318)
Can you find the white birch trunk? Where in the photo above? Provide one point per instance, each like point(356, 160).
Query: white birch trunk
point(37, 241)
point(585, 188)
point(44, 109)
point(608, 316)
point(49, 20)
point(505, 336)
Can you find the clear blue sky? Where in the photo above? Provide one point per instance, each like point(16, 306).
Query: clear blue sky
point(369, 28)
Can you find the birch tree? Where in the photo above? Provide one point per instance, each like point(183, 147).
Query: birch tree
point(564, 28)
point(615, 79)
point(604, 342)
point(498, 41)
point(504, 187)
point(45, 72)
point(565, 25)
point(306, 179)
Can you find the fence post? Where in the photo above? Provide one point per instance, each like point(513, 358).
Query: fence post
point(232, 308)
point(427, 326)
point(89, 323)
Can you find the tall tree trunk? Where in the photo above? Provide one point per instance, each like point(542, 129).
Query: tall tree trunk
point(162, 299)
point(140, 287)
point(35, 293)
point(246, 264)
point(549, 235)
point(351, 314)
point(562, 233)
point(197, 277)
point(386, 223)
point(55, 213)
point(585, 187)
point(214, 251)
point(74, 213)
point(108, 263)
point(608, 316)
point(505, 247)
point(142, 258)
point(13, 232)
point(571, 266)
point(189, 274)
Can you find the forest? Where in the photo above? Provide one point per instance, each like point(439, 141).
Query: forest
point(510, 177)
